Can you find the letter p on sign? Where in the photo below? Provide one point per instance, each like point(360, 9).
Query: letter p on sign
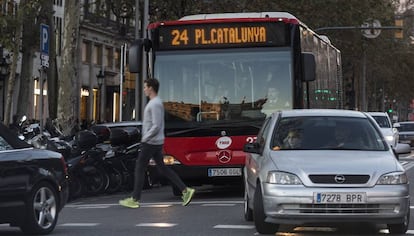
point(44, 39)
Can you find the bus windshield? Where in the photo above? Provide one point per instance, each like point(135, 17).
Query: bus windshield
point(224, 85)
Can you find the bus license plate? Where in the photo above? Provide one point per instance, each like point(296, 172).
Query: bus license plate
point(224, 172)
point(339, 198)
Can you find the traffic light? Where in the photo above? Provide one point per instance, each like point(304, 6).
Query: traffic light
point(399, 32)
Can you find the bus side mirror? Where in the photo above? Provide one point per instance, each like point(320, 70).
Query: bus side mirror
point(309, 66)
point(135, 54)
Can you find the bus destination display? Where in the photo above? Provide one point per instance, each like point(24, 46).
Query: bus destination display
point(221, 35)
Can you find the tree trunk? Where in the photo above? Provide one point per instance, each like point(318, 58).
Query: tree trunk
point(67, 102)
point(12, 78)
point(52, 75)
point(28, 49)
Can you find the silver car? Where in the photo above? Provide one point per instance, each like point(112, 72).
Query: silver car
point(317, 166)
point(389, 131)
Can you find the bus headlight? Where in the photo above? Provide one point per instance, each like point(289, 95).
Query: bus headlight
point(170, 160)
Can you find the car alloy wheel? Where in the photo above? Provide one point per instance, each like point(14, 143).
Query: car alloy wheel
point(41, 210)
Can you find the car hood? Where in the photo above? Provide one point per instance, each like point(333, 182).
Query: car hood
point(387, 131)
point(325, 162)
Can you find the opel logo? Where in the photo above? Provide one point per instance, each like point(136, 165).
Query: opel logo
point(340, 179)
point(224, 156)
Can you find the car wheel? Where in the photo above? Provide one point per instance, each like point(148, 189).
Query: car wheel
point(259, 216)
point(41, 210)
point(248, 212)
point(400, 228)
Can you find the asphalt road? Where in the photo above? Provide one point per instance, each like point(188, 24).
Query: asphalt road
point(213, 211)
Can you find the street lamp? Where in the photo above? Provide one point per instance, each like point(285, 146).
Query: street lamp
point(100, 77)
point(4, 72)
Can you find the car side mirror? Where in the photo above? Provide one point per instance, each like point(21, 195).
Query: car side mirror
point(396, 125)
point(251, 148)
point(402, 148)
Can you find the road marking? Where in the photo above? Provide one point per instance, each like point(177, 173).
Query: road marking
point(234, 227)
point(93, 207)
point(407, 165)
point(218, 204)
point(158, 225)
point(80, 224)
point(154, 204)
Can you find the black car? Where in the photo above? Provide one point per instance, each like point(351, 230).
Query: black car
point(33, 185)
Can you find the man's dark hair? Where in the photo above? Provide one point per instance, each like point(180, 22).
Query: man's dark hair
point(152, 82)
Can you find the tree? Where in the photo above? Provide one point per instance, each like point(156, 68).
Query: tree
point(68, 102)
point(11, 26)
point(35, 13)
point(20, 35)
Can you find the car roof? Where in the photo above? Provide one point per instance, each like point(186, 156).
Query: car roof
point(321, 112)
point(377, 113)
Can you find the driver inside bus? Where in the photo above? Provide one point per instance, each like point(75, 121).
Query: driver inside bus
point(274, 101)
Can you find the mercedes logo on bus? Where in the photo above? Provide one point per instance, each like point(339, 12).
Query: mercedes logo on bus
point(340, 179)
point(224, 156)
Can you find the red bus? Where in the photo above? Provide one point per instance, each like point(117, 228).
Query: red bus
point(221, 74)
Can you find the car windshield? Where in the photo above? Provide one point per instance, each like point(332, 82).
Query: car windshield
point(9, 139)
point(382, 121)
point(406, 127)
point(316, 133)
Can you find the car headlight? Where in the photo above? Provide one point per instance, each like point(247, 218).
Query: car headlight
point(277, 177)
point(393, 178)
point(389, 138)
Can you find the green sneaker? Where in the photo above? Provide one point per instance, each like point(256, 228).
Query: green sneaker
point(129, 202)
point(187, 196)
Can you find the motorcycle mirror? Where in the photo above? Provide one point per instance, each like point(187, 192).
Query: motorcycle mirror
point(23, 119)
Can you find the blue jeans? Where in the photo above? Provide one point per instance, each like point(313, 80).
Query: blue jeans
point(154, 151)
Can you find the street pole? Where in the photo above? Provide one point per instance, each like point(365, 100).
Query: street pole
point(364, 76)
point(42, 74)
point(124, 49)
point(121, 80)
point(144, 58)
point(138, 90)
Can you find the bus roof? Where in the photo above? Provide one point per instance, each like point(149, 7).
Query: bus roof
point(240, 15)
point(231, 17)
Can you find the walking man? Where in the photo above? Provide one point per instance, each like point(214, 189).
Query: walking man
point(151, 146)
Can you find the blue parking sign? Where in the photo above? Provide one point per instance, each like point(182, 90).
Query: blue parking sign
point(44, 39)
